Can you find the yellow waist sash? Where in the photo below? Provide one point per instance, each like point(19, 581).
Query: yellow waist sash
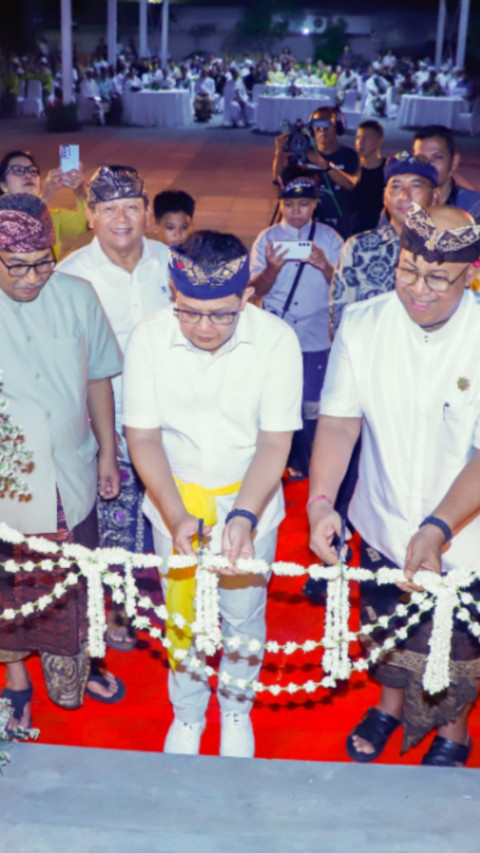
point(201, 503)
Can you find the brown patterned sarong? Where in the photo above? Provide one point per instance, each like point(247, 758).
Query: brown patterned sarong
point(404, 666)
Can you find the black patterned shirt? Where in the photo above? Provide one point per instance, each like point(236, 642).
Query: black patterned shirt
point(365, 268)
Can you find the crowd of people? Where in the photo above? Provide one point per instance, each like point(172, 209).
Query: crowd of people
point(159, 386)
point(216, 82)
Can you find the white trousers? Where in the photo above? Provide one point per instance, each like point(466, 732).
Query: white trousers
point(242, 600)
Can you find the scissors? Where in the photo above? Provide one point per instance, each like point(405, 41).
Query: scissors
point(200, 535)
point(338, 542)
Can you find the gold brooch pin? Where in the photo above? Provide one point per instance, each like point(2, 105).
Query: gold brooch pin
point(463, 383)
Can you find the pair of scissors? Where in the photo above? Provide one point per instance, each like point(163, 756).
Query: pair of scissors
point(338, 542)
point(200, 536)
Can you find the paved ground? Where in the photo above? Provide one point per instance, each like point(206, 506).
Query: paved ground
point(56, 799)
point(227, 170)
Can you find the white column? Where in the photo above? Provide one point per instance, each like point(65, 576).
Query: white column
point(142, 24)
point(442, 13)
point(164, 47)
point(462, 32)
point(112, 32)
point(66, 23)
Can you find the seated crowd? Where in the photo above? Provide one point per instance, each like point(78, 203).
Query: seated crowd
point(159, 386)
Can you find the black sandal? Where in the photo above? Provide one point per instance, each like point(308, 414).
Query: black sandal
point(375, 727)
point(447, 753)
point(18, 699)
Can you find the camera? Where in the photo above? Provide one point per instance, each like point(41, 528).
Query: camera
point(299, 141)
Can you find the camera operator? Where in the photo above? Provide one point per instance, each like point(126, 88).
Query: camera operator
point(336, 167)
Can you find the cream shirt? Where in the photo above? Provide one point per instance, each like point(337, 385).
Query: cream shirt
point(49, 349)
point(210, 406)
point(419, 426)
point(126, 297)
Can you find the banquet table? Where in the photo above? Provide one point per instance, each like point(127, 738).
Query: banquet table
point(418, 111)
point(171, 108)
point(271, 111)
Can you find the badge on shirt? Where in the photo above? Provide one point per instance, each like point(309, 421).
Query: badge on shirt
point(463, 383)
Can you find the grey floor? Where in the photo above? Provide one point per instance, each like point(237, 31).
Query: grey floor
point(72, 800)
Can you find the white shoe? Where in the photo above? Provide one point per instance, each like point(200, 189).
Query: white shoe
point(184, 738)
point(237, 740)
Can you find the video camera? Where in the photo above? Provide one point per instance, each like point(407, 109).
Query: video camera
point(299, 141)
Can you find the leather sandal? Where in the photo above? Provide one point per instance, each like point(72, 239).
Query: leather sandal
point(18, 699)
point(375, 727)
point(447, 753)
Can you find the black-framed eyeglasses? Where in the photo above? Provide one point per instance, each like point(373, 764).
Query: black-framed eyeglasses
point(434, 282)
point(218, 318)
point(19, 270)
point(20, 171)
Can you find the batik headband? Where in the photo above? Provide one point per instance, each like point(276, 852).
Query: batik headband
point(22, 233)
point(191, 280)
point(408, 164)
point(455, 245)
point(299, 188)
point(110, 183)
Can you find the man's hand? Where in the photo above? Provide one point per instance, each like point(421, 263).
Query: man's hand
point(237, 542)
point(275, 257)
point(183, 530)
point(424, 551)
point(108, 477)
point(317, 159)
point(319, 260)
point(324, 524)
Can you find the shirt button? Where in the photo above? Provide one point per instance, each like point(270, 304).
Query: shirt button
point(28, 337)
point(48, 414)
point(37, 376)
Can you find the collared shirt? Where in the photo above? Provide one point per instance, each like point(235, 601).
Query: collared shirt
point(465, 199)
point(211, 406)
point(419, 396)
point(365, 268)
point(126, 297)
point(49, 349)
point(308, 312)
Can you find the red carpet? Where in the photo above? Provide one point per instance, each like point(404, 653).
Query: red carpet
point(303, 727)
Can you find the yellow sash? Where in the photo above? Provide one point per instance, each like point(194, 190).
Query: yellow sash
point(201, 503)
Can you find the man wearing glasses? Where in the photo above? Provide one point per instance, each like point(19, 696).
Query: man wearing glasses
point(404, 371)
point(212, 395)
point(57, 354)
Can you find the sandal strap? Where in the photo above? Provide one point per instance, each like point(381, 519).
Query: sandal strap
point(18, 699)
point(445, 752)
point(376, 727)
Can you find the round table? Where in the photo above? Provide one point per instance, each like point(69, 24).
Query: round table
point(271, 111)
point(418, 111)
point(171, 108)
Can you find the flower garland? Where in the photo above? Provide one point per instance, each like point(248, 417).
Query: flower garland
point(445, 595)
point(14, 459)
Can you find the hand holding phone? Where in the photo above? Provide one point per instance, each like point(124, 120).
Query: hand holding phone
point(294, 250)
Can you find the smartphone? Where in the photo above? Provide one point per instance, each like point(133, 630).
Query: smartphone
point(297, 250)
point(69, 157)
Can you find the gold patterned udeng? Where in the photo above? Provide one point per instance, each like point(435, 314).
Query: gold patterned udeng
point(214, 278)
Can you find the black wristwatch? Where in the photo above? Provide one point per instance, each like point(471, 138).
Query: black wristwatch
point(243, 513)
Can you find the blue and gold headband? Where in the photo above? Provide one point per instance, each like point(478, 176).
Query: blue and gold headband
point(193, 281)
point(420, 236)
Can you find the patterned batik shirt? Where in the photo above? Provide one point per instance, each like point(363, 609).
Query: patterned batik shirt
point(365, 268)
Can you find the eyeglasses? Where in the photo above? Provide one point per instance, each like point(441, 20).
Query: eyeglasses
point(20, 171)
point(19, 270)
point(222, 318)
point(437, 283)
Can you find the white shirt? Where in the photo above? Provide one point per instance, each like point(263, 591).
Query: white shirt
point(419, 427)
point(126, 297)
point(308, 312)
point(210, 406)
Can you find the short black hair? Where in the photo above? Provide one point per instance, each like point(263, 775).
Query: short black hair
point(371, 124)
point(24, 202)
point(7, 159)
point(210, 249)
point(437, 130)
point(173, 201)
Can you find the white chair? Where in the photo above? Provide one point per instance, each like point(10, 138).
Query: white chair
point(392, 102)
point(231, 109)
point(470, 122)
point(350, 100)
point(32, 104)
point(20, 97)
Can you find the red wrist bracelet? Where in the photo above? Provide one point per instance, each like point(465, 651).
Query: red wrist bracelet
point(319, 498)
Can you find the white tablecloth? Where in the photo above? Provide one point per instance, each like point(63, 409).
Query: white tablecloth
point(418, 111)
point(158, 109)
point(272, 111)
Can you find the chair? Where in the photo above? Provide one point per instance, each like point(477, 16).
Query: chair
point(32, 104)
point(231, 109)
point(469, 122)
point(391, 103)
point(20, 97)
point(350, 100)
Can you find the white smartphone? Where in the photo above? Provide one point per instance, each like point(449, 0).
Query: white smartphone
point(297, 250)
point(69, 157)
